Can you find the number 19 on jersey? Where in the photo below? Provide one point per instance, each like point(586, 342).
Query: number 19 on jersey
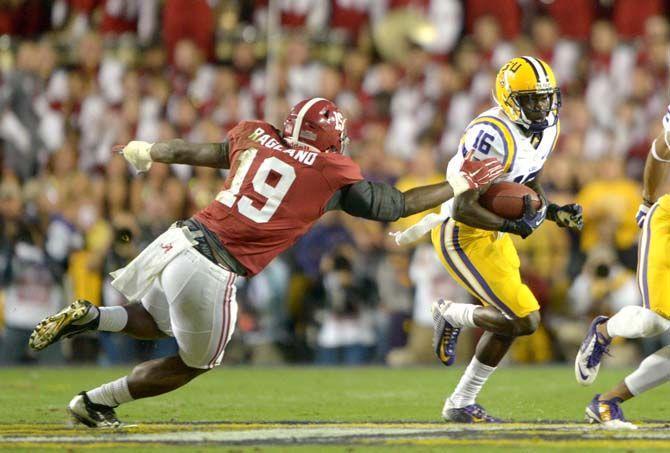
point(274, 194)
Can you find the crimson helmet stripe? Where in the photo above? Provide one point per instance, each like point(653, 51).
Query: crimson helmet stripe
point(301, 115)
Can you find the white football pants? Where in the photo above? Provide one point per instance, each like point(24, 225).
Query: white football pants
point(193, 300)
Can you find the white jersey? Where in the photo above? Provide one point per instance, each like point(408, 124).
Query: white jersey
point(666, 121)
point(492, 134)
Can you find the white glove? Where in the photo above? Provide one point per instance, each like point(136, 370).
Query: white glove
point(138, 155)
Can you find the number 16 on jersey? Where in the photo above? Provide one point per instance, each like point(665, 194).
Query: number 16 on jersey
point(273, 194)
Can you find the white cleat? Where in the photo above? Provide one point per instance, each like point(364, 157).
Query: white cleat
point(590, 353)
point(86, 412)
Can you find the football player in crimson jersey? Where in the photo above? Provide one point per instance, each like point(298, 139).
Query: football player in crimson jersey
point(279, 184)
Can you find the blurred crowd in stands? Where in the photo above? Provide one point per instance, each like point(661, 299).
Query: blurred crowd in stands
point(79, 76)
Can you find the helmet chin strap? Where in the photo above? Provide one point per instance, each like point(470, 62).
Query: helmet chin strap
point(536, 127)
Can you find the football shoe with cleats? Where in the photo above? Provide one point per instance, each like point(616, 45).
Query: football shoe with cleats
point(472, 413)
point(79, 317)
point(607, 413)
point(590, 353)
point(93, 415)
point(445, 335)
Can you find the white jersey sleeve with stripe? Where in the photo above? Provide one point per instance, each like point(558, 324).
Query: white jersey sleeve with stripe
point(486, 140)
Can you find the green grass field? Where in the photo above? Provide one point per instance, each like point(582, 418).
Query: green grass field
point(350, 409)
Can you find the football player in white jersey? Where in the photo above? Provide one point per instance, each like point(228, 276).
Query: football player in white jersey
point(521, 131)
point(653, 317)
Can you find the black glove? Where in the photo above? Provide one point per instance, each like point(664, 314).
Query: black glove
point(528, 223)
point(566, 216)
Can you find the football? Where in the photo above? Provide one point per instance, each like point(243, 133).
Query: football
point(506, 199)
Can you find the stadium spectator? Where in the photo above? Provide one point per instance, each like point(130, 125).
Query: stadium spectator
point(347, 331)
point(189, 19)
point(30, 276)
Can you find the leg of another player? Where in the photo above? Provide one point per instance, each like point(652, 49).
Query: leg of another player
point(634, 322)
point(652, 372)
point(619, 391)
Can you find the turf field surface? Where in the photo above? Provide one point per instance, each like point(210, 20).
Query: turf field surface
point(332, 409)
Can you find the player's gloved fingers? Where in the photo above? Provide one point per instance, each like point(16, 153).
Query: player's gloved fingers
point(493, 166)
point(525, 230)
point(469, 155)
point(528, 210)
point(495, 171)
point(472, 184)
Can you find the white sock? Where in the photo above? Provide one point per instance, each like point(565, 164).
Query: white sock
point(112, 319)
point(636, 322)
point(471, 383)
point(461, 315)
point(111, 394)
point(652, 372)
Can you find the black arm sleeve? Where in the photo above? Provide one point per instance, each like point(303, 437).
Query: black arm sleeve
point(371, 200)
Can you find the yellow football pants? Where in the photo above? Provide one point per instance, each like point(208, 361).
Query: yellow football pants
point(653, 266)
point(485, 265)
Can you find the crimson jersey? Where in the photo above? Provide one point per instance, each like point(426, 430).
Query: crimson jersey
point(273, 194)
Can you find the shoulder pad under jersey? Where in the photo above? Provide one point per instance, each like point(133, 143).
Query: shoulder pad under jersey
point(489, 136)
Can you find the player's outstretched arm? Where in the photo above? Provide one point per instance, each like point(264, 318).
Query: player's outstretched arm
point(472, 175)
point(383, 202)
point(178, 151)
point(142, 154)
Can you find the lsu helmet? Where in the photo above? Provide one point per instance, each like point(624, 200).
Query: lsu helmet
point(318, 124)
point(526, 90)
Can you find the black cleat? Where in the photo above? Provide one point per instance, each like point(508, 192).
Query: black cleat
point(64, 324)
point(92, 415)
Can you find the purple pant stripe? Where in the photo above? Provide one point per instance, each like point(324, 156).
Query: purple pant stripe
point(499, 303)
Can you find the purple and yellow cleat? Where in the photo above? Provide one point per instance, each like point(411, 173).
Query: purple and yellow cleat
point(472, 413)
point(445, 336)
point(607, 413)
point(590, 353)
